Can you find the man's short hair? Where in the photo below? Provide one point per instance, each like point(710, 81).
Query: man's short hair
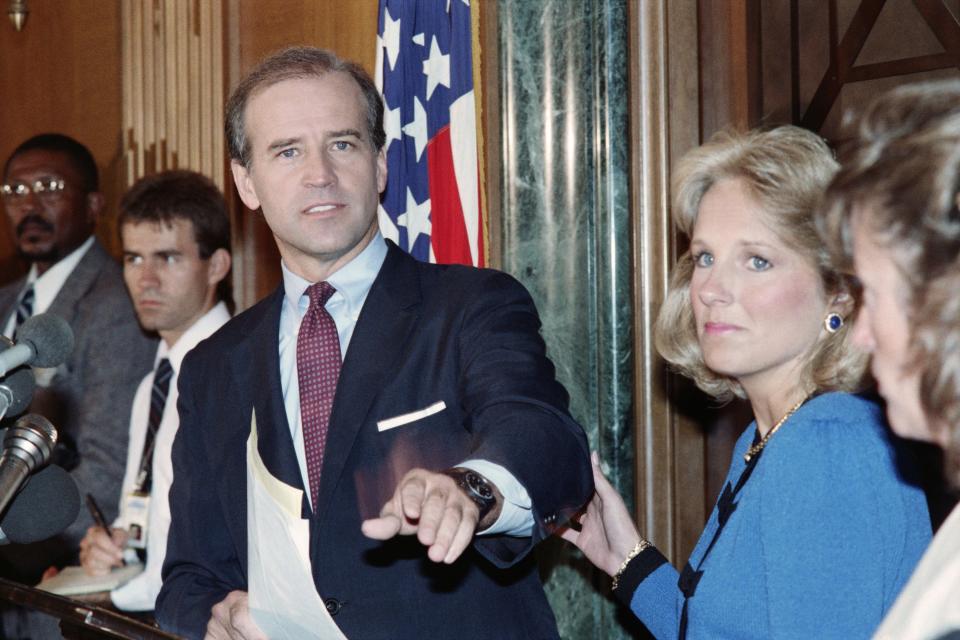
point(297, 63)
point(183, 195)
point(79, 156)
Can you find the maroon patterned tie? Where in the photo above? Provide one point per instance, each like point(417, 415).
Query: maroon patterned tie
point(318, 367)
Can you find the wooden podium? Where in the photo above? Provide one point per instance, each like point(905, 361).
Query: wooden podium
point(79, 620)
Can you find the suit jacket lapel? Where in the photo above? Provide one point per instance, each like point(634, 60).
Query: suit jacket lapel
point(256, 365)
point(78, 283)
point(389, 314)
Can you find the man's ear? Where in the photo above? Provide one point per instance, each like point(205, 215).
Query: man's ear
point(95, 203)
point(381, 170)
point(218, 266)
point(241, 178)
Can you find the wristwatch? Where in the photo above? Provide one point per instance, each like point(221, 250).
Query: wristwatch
point(475, 486)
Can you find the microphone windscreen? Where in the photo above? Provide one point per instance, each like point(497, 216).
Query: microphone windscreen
point(51, 337)
point(21, 384)
point(48, 503)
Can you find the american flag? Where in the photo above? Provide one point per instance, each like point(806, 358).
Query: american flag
point(431, 206)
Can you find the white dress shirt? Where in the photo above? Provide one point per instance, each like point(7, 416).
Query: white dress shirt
point(47, 286)
point(140, 593)
point(352, 283)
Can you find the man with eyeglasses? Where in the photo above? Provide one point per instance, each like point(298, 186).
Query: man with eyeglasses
point(51, 198)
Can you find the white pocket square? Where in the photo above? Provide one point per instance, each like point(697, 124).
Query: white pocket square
point(413, 416)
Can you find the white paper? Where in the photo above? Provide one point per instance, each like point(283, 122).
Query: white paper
point(282, 597)
point(73, 581)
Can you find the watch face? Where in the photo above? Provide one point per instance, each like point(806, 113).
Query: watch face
point(479, 486)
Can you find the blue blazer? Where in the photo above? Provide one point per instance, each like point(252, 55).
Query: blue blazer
point(469, 337)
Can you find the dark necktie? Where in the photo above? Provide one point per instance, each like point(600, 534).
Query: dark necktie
point(25, 306)
point(318, 368)
point(158, 400)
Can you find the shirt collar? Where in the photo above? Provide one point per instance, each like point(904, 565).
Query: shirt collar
point(352, 281)
point(200, 330)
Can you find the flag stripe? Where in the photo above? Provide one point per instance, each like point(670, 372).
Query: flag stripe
point(449, 240)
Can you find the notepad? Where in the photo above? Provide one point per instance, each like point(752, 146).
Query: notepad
point(73, 581)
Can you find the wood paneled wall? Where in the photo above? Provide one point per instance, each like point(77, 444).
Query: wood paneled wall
point(171, 119)
point(61, 73)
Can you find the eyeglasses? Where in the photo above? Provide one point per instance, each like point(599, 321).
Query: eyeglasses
point(46, 189)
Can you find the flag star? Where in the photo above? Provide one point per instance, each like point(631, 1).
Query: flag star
point(418, 39)
point(417, 129)
point(416, 219)
point(391, 37)
point(436, 68)
point(391, 124)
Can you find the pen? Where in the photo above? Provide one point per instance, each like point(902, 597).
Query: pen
point(99, 519)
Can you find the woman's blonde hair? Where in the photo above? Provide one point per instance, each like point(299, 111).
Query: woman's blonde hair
point(901, 171)
point(785, 170)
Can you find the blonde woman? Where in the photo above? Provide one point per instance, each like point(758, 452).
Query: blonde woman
point(892, 215)
point(815, 532)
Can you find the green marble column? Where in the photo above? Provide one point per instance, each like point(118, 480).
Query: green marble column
point(566, 236)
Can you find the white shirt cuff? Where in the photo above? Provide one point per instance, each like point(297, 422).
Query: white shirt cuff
point(516, 514)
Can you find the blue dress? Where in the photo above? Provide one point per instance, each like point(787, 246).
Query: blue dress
point(817, 543)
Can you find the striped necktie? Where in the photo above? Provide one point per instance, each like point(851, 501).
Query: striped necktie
point(158, 400)
point(24, 306)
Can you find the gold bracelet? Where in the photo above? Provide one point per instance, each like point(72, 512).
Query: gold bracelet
point(637, 550)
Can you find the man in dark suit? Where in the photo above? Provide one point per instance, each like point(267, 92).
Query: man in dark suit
point(408, 409)
point(52, 201)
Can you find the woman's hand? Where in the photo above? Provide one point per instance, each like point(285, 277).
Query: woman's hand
point(607, 531)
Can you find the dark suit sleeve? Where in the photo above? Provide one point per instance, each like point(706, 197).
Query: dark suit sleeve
point(517, 411)
point(201, 565)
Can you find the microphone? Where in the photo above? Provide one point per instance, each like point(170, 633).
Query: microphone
point(44, 340)
point(48, 503)
point(17, 390)
point(27, 446)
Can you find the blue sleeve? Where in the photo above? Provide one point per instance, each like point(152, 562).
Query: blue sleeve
point(649, 587)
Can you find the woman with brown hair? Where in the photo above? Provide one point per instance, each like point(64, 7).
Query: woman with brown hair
point(815, 532)
point(891, 215)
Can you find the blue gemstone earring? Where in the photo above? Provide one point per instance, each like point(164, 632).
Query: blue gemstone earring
point(833, 322)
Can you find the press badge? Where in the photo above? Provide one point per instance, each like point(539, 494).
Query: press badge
point(135, 511)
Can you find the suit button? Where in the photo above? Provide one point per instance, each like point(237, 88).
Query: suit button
point(333, 606)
